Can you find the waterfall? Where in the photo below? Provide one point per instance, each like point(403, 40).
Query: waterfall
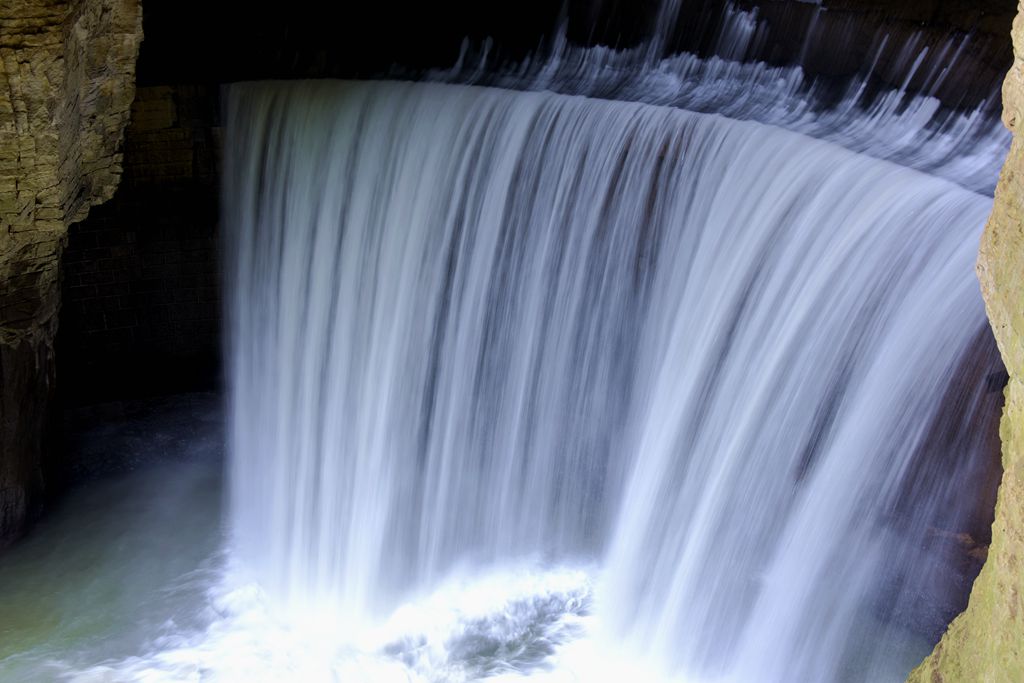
point(912, 126)
point(695, 357)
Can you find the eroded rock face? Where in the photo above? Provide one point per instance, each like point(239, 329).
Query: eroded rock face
point(67, 71)
point(986, 642)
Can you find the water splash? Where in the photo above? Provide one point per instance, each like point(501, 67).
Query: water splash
point(493, 627)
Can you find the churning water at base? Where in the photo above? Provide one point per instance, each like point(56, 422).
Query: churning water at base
point(678, 370)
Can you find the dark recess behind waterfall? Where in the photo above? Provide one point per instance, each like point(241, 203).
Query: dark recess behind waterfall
point(141, 311)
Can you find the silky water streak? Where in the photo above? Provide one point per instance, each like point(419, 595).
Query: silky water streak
point(473, 329)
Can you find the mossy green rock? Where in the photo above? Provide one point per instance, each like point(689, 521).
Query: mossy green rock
point(985, 644)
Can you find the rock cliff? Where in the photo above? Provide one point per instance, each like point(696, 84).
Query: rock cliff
point(67, 81)
point(985, 644)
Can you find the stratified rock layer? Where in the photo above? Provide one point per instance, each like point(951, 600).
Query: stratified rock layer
point(985, 644)
point(67, 71)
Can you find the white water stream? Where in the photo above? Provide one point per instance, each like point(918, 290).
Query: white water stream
point(475, 329)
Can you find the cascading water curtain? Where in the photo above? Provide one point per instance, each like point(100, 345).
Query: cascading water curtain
point(473, 328)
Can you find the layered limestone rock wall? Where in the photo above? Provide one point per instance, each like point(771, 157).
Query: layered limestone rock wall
point(67, 73)
point(986, 643)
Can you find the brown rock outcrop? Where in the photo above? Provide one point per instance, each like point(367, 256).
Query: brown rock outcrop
point(67, 72)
